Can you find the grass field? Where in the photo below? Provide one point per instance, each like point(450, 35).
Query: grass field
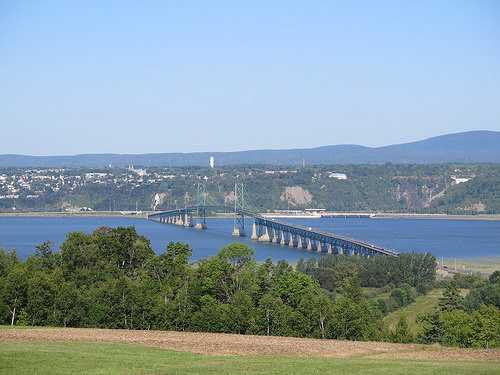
point(483, 265)
point(423, 304)
point(111, 358)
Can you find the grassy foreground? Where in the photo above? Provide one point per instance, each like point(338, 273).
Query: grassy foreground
point(108, 358)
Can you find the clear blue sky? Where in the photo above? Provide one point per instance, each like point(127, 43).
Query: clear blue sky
point(162, 76)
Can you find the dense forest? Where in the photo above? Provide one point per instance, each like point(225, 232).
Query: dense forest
point(112, 278)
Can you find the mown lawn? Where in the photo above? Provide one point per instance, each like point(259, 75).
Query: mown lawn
point(423, 304)
point(108, 358)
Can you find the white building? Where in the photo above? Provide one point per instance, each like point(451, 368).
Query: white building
point(139, 172)
point(459, 180)
point(212, 162)
point(338, 176)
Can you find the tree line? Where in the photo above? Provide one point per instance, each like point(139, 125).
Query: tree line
point(470, 321)
point(112, 278)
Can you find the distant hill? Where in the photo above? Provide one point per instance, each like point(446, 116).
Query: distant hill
point(467, 147)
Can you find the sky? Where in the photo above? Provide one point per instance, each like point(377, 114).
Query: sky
point(183, 76)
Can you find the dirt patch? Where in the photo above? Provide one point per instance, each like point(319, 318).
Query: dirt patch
point(229, 197)
point(296, 196)
point(228, 344)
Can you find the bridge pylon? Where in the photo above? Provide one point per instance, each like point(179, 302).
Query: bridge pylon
point(187, 220)
point(239, 206)
point(201, 202)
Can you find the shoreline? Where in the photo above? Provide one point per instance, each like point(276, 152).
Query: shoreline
point(336, 215)
point(481, 217)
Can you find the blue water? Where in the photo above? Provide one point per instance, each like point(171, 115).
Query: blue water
point(447, 238)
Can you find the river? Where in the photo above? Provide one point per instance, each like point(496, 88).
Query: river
point(443, 238)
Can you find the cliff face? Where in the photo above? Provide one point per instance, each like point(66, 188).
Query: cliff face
point(417, 193)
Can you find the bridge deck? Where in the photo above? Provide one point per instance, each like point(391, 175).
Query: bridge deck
point(308, 232)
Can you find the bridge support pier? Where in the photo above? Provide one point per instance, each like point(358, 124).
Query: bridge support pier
point(200, 226)
point(179, 221)
point(274, 236)
point(254, 235)
point(319, 247)
point(188, 221)
point(265, 236)
point(299, 242)
point(283, 241)
point(329, 248)
point(237, 232)
point(309, 245)
point(290, 240)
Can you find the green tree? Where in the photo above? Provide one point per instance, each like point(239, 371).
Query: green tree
point(15, 286)
point(451, 299)
point(485, 327)
point(494, 277)
point(317, 307)
point(457, 328)
point(7, 261)
point(69, 306)
point(41, 295)
point(488, 294)
point(353, 317)
point(352, 320)
point(231, 271)
point(432, 327)
point(265, 277)
point(401, 332)
point(212, 315)
point(352, 289)
point(292, 286)
point(241, 316)
point(272, 315)
point(44, 258)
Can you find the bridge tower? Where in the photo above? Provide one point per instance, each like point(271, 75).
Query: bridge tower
point(188, 216)
point(239, 206)
point(201, 202)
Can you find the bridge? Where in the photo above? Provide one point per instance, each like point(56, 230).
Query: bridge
point(273, 231)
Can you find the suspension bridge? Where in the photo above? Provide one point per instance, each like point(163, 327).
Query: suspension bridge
point(268, 230)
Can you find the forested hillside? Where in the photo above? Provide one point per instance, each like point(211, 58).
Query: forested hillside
point(467, 147)
point(456, 189)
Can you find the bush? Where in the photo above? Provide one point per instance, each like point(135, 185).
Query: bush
point(401, 332)
point(480, 329)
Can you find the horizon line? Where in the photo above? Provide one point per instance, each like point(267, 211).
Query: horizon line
point(250, 150)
